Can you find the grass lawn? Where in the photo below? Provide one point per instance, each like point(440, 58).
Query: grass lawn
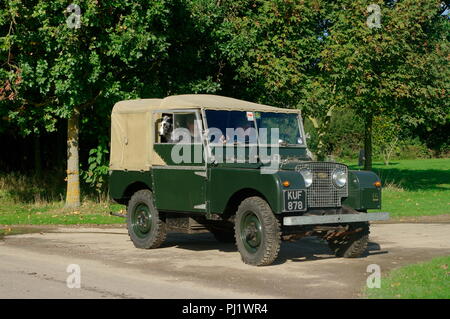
point(415, 187)
point(33, 200)
point(54, 213)
point(424, 280)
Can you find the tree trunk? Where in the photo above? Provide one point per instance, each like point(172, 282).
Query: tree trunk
point(322, 131)
point(368, 143)
point(316, 125)
point(73, 176)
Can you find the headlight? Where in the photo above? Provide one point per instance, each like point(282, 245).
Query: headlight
point(339, 178)
point(307, 176)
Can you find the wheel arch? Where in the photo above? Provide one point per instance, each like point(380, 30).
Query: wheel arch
point(237, 197)
point(123, 184)
point(130, 190)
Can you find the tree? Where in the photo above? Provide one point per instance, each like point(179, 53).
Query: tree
point(397, 69)
point(386, 136)
point(60, 64)
point(320, 56)
point(122, 49)
point(274, 46)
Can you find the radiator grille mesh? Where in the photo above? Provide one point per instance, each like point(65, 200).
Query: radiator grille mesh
point(322, 192)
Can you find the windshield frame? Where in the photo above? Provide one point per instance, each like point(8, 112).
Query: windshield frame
point(300, 128)
point(299, 123)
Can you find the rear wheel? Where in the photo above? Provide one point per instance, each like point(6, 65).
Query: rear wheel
point(257, 232)
point(145, 226)
point(352, 245)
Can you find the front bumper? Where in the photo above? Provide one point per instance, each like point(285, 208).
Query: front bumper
point(333, 219)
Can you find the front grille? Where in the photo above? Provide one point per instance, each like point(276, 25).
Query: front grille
point(322, 192)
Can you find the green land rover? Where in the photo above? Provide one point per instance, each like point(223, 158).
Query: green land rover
point(241, 170)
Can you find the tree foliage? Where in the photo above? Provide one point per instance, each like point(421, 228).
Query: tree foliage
point(55, 68)
point(321, 55)
point(400, 69)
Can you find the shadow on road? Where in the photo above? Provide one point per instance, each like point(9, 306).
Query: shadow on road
point(305, 249)
point(197, 242)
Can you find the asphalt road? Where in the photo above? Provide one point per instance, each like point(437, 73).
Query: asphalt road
point(34, 265)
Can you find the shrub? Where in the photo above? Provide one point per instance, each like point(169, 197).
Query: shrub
point(19, 188)
point(344, 137)
point(96, 176)
point(413, 149)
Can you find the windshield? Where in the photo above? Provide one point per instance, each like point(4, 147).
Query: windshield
point(239, 127)
point(289, 132)
point(231, 127)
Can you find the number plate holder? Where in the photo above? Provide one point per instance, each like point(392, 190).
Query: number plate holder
point(294, 200)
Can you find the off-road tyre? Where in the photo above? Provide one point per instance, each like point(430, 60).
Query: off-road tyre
point(263, 251)
point(149, 233)
point(353, 245)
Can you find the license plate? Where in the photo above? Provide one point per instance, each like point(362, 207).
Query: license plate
point(294, 200)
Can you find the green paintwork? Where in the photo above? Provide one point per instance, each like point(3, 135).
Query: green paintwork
point(119, 181)
point(297, 153)
point(362, 194)
point(229, 152)
point(181, 189)
point(194, 153)
point(178, 189)
point(224, 182)
point(173, 188)
point(180, 186)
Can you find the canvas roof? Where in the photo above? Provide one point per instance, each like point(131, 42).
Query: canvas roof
point(189, 101)
point(133, 128)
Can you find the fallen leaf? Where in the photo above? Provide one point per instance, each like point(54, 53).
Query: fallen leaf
point(445, 266)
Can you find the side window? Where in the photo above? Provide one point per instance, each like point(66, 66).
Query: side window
point(185, 128)
point(164, 128)
point(178, 127)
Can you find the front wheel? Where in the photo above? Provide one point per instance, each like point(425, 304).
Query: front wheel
point(257, 232)
point(145, 226)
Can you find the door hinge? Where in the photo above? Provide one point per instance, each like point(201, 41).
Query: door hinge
point(201, 206)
